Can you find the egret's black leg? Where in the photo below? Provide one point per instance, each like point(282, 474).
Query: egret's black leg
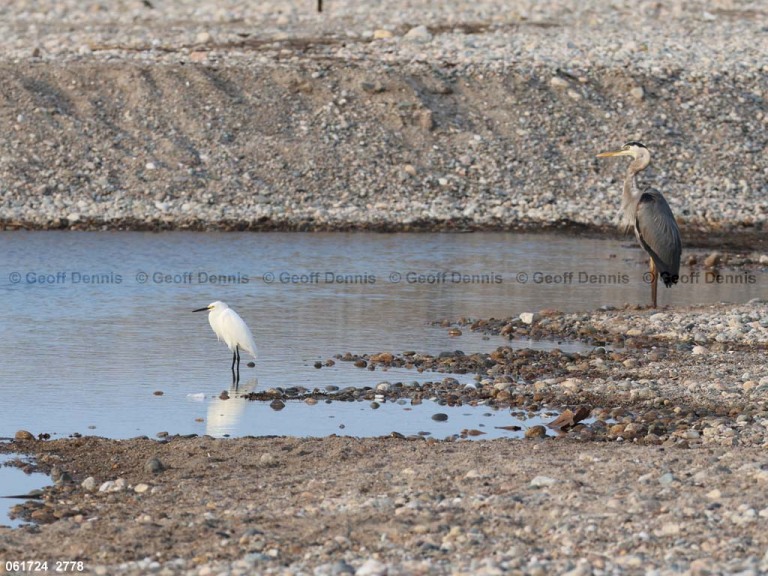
point(237, 352)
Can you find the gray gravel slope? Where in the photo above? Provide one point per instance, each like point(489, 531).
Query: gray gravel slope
point(385, 116)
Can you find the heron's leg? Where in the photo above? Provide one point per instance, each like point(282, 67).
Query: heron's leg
point(654, 282)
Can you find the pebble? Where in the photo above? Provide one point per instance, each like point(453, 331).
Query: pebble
point(372, 567)
point(89, 484)
point(558, 82)
point(529, 317)
point(23, 436)
point(537, 431)
point(113, 486)
point(419, 35)
point(154, 466)
point(543, 482)
point(666, 479)
point(713, 260)
point(277, 405)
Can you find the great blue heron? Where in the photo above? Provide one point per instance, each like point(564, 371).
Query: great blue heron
point(651, 217)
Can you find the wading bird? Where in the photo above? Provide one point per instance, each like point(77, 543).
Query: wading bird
point(232, 330)
point(651, 217)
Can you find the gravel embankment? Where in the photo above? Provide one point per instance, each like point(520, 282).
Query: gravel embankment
point(411, 115)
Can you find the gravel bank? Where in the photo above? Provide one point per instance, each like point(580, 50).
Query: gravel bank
point(481, 115)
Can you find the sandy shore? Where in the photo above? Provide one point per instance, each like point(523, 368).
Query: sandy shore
point(388, 506)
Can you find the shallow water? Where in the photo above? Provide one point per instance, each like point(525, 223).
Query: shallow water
point(14, 482)
point(95, 323)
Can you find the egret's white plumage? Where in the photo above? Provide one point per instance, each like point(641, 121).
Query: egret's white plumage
point(230, 329)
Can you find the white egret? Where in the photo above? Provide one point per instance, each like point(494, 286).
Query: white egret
point(232, 330)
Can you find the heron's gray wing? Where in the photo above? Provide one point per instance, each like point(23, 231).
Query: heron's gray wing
point(659, 235)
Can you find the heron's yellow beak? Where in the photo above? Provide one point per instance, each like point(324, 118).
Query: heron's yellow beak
point(616, 153)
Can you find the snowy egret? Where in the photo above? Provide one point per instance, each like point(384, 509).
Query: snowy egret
point(232, 330)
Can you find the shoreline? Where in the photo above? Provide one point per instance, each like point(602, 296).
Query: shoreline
point(727, 240)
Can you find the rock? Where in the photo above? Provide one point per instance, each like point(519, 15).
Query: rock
point(372, 567)
point(666, 479)
point(113, 486)
point(558, 82)
point(277, 405)
point(698, 350)
point(23, 436)
point(440, 417)
point(382, 34)
point(537, 431)
point(418, 35)
point(141, 488)
point(341, 567)
point(424, 119)
point(374, 87)
point(543, 482)
point(637, 93)
point(203, 38)
point(154, 466)
point(89, 484)
point(64, 478)
point(713, 260)
point(267, 459)
point(529, 317)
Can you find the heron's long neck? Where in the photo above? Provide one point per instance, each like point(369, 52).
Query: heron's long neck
point(631, 195)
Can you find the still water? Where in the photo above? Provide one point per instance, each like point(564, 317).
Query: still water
point(95, 323)
point(14, 485)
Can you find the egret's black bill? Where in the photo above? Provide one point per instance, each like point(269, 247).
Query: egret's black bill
point(201, 309)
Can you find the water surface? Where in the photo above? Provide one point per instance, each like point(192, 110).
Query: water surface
point(95, 323)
